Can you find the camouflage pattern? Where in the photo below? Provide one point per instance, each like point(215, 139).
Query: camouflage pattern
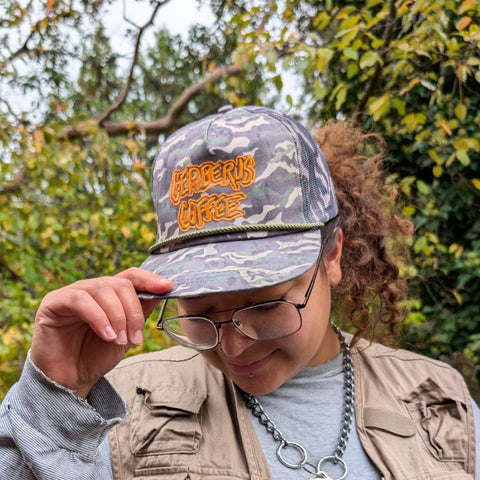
point(216, 179)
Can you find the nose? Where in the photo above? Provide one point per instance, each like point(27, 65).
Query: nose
point(232, 342)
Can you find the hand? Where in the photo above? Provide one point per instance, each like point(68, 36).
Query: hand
point(83, 330)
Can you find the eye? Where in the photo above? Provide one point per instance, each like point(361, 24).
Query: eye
point(267, 307)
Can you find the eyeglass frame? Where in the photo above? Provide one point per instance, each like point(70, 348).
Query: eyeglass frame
point(219, 325)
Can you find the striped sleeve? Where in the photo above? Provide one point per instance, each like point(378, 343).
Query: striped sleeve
point(47, 432)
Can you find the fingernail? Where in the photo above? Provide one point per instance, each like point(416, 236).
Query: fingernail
point(137, 337)
point(122, 337)
point(110, 333)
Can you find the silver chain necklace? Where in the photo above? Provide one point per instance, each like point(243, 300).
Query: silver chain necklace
point(315, 471)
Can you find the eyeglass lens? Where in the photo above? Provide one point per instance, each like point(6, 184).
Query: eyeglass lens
point(267, 321)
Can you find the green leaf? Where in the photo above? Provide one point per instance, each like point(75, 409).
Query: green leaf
point(277, 81)
point(340, 99)
point(352, 70)
point(351, 53)
point(423, 187)
point(369, 59)
point(463, 156)
point(399, 105)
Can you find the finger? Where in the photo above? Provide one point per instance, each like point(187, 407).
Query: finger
point(70, 305)
point(145, 281)
point(113, 300)
point(135, 316)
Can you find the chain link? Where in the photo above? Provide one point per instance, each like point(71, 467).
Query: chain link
point(348, 411)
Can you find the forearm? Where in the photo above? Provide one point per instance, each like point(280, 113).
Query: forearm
point(47, 432)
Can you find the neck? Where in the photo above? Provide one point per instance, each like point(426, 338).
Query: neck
point(330, 348)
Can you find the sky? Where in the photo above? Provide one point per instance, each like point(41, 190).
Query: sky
point(176, 16)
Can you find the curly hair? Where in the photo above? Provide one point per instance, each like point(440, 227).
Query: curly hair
point(370, 299)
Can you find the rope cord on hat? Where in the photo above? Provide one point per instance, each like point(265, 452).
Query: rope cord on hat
point(235, 229)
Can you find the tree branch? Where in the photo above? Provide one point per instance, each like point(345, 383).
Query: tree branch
point(267, 12)
point(373, 82)
point(164, 124)
point(128, 81)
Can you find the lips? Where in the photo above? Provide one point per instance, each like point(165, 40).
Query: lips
point(247, 368)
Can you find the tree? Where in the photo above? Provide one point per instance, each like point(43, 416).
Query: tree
point(77, 148)
point(411, 71)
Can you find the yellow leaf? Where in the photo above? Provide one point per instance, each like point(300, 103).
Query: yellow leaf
point(126, 232)
point(437, 171)
point(324, 55)
point(463, 23)
point(456, 249)
point(466, 143)
point(410, 122)
point(445, 126)
point(463, 72)
point(457, 296)
point(410, 85)
point(435, 157)
point(146, 234)
point(380, 106)
point(476, 183)
point(149, 216)
point(461, 111)
point(39, 140)
point(465, 6)
point(409, 210)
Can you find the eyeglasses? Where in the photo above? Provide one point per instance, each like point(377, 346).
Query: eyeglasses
point(261, 321)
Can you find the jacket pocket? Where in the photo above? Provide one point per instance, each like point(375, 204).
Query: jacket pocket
point(165, 420)
point(441, 420)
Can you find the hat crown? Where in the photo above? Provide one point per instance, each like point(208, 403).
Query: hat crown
point(242, 168)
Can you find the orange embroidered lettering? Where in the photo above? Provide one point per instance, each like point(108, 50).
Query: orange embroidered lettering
point(228, 176)
point(194, 179)
point(175, 195)
point(248, 171)
point(209, 208)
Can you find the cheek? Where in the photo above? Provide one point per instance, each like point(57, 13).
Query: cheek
point(214, 359)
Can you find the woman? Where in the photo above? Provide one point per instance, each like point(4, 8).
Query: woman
point(252, 245)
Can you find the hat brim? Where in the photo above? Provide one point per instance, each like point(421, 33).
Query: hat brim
point(235, 265)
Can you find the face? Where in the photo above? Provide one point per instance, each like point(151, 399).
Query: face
point(260, 367)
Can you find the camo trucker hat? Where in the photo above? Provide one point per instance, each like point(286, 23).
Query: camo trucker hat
point(240, 198)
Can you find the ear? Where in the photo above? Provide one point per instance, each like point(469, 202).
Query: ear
point(332, 261)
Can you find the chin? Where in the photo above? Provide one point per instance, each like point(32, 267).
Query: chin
point(255, 386)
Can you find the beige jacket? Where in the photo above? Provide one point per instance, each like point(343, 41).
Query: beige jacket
point(188, 421)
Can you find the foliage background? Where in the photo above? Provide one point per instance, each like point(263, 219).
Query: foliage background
point(81, 115)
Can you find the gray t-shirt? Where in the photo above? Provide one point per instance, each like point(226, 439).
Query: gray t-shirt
point(308, 409)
